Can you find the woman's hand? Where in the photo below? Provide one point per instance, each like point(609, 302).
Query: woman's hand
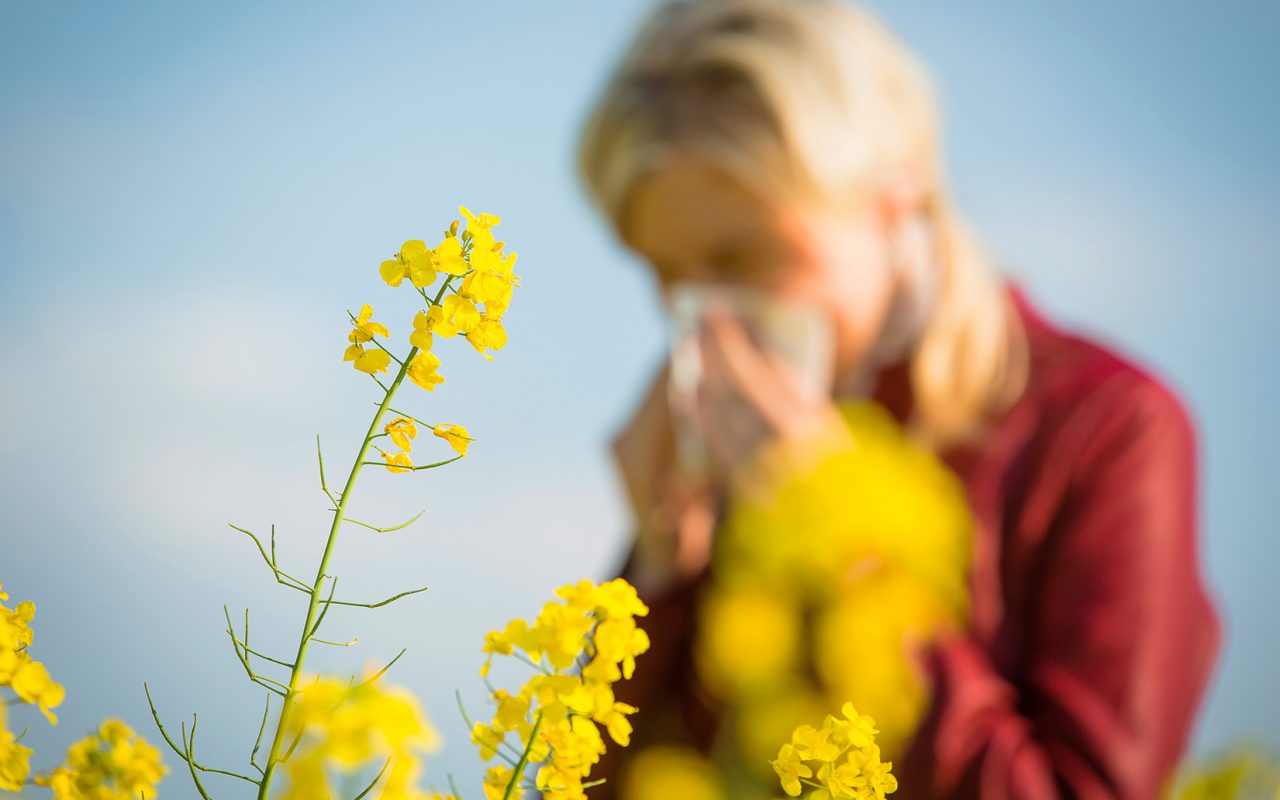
point(748, 398)
point(675, 516)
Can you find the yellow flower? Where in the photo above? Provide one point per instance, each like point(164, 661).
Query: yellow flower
point(402, 431)
point(455, 435)
point(840, 779)
point(15, 759)
point(421, 336)
point(488, 333)
point(454, 315)
point(449, 256)
point(616, 723)
point(496, 780)
point(504, 642)
point(15, 626)
point(368, 361)
point(855, 730)
point(488, 738)
point(492, 280)
point(345, 728)
point(814, 744)
point(398, 462)
point(365, 328)
point(32, 684)
point(112, 764)
point(414, 261)
point(790, 769)
point(479, 224)
point(422, 371)
point(668, 773)
point(617, 643)
point(847, 755)
point(617, 599)
point(567, 709)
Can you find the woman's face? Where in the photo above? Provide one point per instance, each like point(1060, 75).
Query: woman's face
point(693, 222)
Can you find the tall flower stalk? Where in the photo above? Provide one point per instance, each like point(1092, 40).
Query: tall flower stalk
point(484, 278)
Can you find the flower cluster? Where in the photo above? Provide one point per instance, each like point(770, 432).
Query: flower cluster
point(28, 680)
point(824, 568)
point(846, 758)
point(486, 281)
point(112, 764)
point(403, 430)
point(580, 646)
point(26, 677)
point(339, 727)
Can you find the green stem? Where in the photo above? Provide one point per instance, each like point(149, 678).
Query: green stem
point(273, 755)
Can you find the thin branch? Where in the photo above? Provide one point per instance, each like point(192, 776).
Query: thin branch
point(245, 643)
point(270, 560)
point(184, 752)
point(336, 644)
point(257, 744)
point(530, 662)
point(324, 486)
point(524, 759)
point(243, 658)
point(443, 287)
point(374, 782)
point(409, 416)
point(191, 764)
point(388, 601)
point(382, 671)
point(414, 469)
point(376, 529)
point(328, 602)
point(471, 726)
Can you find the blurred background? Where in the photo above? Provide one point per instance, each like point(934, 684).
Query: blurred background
point(191, 195)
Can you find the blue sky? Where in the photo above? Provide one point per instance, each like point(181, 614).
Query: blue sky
point(191, 195)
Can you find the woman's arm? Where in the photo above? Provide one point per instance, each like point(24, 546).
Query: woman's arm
point(1122, 637)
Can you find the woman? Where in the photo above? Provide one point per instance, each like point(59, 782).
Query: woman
point(791, 146)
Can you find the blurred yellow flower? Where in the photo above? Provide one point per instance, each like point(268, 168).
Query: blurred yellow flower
point(112, 764)
point(456, 435)
point(15, 759)
point(422, 371)
point(668, 773)
point(402, 431)
point(831, 559)
point(347, 729)
point(496, 780)
point(749, 638)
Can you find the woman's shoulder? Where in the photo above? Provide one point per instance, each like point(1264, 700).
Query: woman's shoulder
point(1077, 382)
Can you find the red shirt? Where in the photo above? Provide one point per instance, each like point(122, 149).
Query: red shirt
point(1091, 636)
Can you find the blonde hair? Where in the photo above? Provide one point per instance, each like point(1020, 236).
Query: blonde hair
point(817, 98)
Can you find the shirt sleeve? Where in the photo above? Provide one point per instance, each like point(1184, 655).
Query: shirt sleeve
point(1121, 635)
